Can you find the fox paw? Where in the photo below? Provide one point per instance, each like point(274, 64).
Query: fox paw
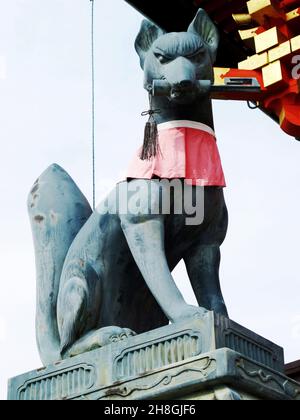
point(191, 312)
point(97, 339)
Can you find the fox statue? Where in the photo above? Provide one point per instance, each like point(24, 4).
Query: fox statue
point(103, 276)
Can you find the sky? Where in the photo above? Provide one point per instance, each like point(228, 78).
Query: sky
point(45, 117)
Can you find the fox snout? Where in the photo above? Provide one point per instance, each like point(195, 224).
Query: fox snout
point(180, 74)
point(184, 90)
point(176, 80)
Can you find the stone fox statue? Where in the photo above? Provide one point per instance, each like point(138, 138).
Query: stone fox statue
point(105, 275)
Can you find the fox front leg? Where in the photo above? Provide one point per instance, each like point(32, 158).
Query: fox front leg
point(203, 258)
point(202, 265)
point(144, 230)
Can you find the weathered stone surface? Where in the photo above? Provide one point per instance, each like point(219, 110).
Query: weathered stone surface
point(181, 361)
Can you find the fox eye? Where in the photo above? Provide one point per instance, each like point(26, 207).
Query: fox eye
point(196, 55)
point(162, 58)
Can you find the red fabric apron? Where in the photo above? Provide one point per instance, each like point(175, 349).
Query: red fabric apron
point(187, 150)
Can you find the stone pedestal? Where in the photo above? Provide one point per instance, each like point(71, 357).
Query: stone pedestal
point(202, 359)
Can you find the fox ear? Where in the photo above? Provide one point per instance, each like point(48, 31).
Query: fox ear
point(202, 25)
point(147, 35)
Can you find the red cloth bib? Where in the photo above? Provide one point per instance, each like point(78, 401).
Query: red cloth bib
point(187, 150)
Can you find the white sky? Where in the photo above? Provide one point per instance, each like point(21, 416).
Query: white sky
point(45, 118)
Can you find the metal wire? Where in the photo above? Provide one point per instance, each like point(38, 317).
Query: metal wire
point(93, 100)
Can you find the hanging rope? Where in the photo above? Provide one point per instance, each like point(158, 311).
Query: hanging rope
point(93, 101)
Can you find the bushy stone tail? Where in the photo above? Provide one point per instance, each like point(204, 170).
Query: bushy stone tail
point(57, 211)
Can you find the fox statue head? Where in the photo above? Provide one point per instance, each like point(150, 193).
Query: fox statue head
point(181, 59)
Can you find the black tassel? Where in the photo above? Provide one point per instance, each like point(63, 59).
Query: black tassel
point(151, 145)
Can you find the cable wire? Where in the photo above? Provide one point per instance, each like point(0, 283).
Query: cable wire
point(93, 100)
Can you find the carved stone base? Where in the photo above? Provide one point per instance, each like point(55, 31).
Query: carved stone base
point(202, 359)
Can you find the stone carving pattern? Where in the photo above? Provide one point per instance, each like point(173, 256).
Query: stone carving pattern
point(203, 369)
point(249, 348)
point(60, 385)
point(154, 355)
point(282, 384)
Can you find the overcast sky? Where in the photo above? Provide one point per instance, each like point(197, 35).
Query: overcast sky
point(45, 118)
